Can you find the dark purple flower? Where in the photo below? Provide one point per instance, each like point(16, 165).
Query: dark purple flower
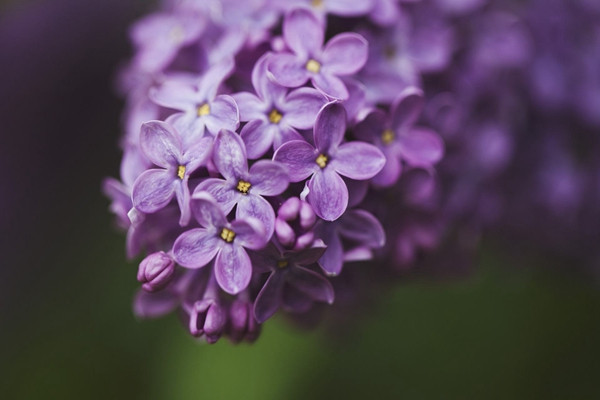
point(399, 139)
point(344, 54)
point(155, 188)
point(328, 194)
point(220, 240)
point(242, 186)
point(156, 271)
point(242, 324)
point(290, 284)
point(274, 115)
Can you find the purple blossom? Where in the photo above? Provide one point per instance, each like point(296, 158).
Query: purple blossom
point(347, 8)
point(324, 163)
point(274, 115)
point(220, 240)
point(344, 54)
point(155, 188)
point(242, 186)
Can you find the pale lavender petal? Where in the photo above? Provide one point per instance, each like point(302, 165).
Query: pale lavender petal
point(196, 248)
point(331, 85)
point(303, 32)
point(213, 78)
point(269, 298)
point(256, 207)
point(176, 95)
point(258, 137)
point(224, 114)
point(182, 193)
point(222, 191)
point(345, 54)
point(311, 283)
point(268, 178)
point(233, 269)
point(363, 227)
point(330, 127)
point(250, 106)
point(421, 147)
point(355, 105)
point(153, 190)
point(406, 108)
point(288, 70)
point(390, 172)
point(284, 134)
point(328, 194)
point(197, 155)
point(301, 107)
point(299, 157)
point(385, 12)
point(249, 233)
point(229, 155)
point(358, 160)
point(207, 212)
point(160, 143)
point(349, 7)
point(264, 87)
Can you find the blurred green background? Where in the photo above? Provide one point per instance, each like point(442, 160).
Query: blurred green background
point(66, 326)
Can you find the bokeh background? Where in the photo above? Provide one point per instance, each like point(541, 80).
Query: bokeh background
point(67, 331)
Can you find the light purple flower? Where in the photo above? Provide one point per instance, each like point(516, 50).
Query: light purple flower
point(290, 284)
point(345, 54)
point(220, 240)
point(347, 8)
point(399, 139)
point(155, 188)
point(242, 186)
point(274, 115)
point(202, 108)
point(328, 160)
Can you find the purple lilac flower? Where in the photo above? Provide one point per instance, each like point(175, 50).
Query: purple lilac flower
point(155, 188)
point(156, 271)
point(222, 241)
point(324, 163)
point(274, 115)
point(242, 186)
point(344, 54)
point(347, 8)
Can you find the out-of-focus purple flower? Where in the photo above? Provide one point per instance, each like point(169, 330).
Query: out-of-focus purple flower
point(274, 115)
point(324, 163)
point(242, 324)
point(220, 240)
point(242, 186)
point(347, 8)
point(344, 54)
point(293, 224)
point(156, 271)
point(155, 188)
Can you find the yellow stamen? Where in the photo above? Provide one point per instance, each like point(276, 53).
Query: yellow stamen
point(227, 235)
point(275, 116)
point(243, 186)
point(181, 171)
point(313, 66)
point(388, 136)
point(282, 263)
point(204, 109)
point(317, 3)
point(321, 160)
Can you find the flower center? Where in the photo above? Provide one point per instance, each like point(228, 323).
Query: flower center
point(321, 160)
point(388, 136)
point(275, 116)
point(282, 263)
point(317, 3)
point(203, 109)
point(243, 186)
point(313, 66)
point(227, 235)
point(181, 171)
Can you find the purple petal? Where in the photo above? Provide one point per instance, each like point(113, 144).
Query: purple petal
point(330, 127)
point(268, 178)
point(421, 147)
point(175, 95)
point(301, 107)
point(160, 143)
point(333, 258)
point(154, 305)
point(303, 32)
point(233, 269)
point(255, 222)
point(299, 157)
point(224, 114)
point(222, 191)
point(250, 106)
point(212, 79)
point(363, 227)
point(328, 194)
point(308, 256)
point(288, 70)
point(310, 283)
point(182, 193)
point(258, 137)
point(229, 155)
point(358, 160)
point(406, 108)
point(331, 85)
point(345, 54)
point(153, 190)
point(207, 212)
point(349, 7)
point(264, 87)
point(198, 154)
point(390, 172)
point(385, 12)
point(295, 301)
point(196, 248)
point(285, 134)
point(371, 128)
point(268, 300)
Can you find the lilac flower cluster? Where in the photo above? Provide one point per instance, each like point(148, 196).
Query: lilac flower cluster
point(261, 155)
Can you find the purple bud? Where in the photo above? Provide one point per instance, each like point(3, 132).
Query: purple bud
point(295, 218)
point(156, 271)
point(242, 326)
point(207, 318)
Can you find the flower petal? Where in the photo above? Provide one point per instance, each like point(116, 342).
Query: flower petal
point(196, 248)
point(284, 134)
point(182, 193)
point(268, 178)
point(207, 211)
point(155, 304)
point(349, 7)
point(229, 155)
point(249, 231)
point(197, 155)
point(307, 256)
point(233, 269)
point(371, 128)
point(222, 191)
point(224, 114)
point(301, 107)
point(153, 190)
point(330, 85)
point(250, 106)
point(258, 137)
point(332, 260)
point(160, 143)
point(288, 70)
point(255, 206)
point(328, 194)
point(303, 32)
point(390, 172)
point(265, 87)
point(363, 227)
point(330, 127)
point(421, 147)
point(299, 157)
point(268, 300)
point(312, 284)
point(358, 160)
point(175, 95)
point(345, 54)
point(406, 108)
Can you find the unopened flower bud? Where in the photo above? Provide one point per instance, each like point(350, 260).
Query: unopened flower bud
point(207, 317)
point(156, 271)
